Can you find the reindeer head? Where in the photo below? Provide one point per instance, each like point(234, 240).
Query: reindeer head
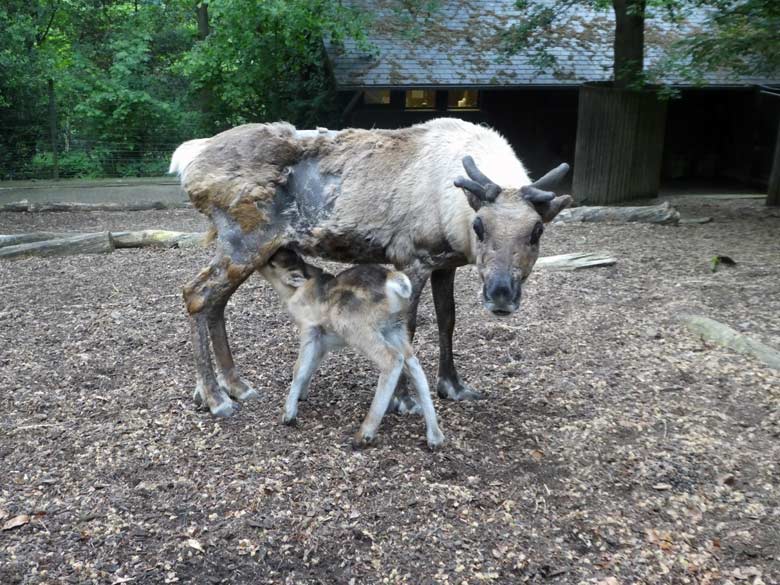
point(508, 226)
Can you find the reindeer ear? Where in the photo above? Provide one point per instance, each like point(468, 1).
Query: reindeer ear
point(550, 209)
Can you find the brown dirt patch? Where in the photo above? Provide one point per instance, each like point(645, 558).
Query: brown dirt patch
point(613, 443)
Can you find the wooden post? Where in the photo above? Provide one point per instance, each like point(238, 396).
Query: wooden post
point(773, 194)
point(53, 131)
point(620, 139)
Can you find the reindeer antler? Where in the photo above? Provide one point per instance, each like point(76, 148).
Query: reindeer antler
point(551, 178)
point(536, 193)
point(478, 184)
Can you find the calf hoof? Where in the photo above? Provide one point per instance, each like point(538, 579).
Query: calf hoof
point(404, 404)
point(362, 440)
point(456, 390)
point(435, 439)
point(289, 420)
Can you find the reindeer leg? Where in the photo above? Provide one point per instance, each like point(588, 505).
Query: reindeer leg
point(205, 298)
point(227, 376)
point(201, 296)
point(449, 385)
point(402, 401)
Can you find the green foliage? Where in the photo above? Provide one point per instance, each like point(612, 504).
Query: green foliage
point(743, 36)
point(70, 164)
point(265, 60)
point(133, 80)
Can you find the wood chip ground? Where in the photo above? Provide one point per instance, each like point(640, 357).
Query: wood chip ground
point(614, 447)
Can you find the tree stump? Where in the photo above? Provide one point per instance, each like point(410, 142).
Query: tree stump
point(620, 139)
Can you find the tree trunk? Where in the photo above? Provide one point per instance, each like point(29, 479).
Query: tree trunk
point(205, 96)
point(620, 140)
point(98, 243)
point(202, 11)
point(53, 131)
point(773, 194)
point(629, 43)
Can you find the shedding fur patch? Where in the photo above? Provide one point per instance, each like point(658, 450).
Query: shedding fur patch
point(239, 170)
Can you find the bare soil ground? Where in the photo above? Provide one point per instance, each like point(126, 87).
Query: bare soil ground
point(614, 446)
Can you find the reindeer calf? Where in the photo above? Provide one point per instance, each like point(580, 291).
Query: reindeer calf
point(365, 307)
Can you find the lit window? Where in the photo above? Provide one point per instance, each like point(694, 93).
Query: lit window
point(376, 97)
point(463, 99)
point(417, 99)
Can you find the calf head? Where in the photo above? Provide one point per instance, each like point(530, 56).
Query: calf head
point(508, 226)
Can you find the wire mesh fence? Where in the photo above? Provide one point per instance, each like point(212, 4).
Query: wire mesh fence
point(26, 156)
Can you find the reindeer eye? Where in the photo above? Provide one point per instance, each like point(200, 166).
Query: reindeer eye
point(479, 229)
point(537, 233)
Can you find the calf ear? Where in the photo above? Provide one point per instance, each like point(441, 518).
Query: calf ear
point(549, 210)
point(294, 278)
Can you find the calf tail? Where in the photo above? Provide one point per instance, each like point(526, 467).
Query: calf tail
point(398, 288)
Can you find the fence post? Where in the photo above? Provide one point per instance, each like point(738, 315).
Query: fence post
point(53, 131)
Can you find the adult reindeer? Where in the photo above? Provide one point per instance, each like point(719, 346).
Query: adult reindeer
point(386, 196)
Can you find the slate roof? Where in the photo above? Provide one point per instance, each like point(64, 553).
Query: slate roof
point(459, 43)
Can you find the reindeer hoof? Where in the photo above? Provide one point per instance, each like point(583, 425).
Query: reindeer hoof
point(290, 421)
point(457, 390)
point(238, 389)
point(249, 394)
point(225, 408)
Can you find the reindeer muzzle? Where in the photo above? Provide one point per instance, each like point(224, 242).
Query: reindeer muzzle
point(501, 295)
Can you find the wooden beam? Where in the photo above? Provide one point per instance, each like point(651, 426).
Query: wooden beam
point(16, 239)
point(664, 213)
point(711, 330)
point(97, 243)
point(576, 261)
point(26, 206)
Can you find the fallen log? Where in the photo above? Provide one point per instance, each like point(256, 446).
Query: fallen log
point(158, 239)
point(576, 261)
point(97, 243)
point(663, 213)
point(716, 332)
point(24, 205)
point(16, 239)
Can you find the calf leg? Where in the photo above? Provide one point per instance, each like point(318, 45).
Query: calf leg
point(309, 358)
point(449, 384)
point(402, 401)
point(390, 361)
point(433, 434)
